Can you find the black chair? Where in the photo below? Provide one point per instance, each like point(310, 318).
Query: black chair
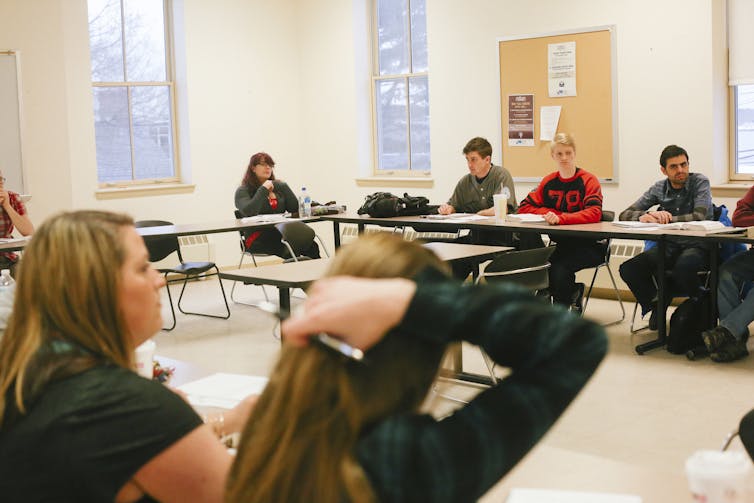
point(607, 216)
point(528, 268)
point(298, 237)
point(160, 248)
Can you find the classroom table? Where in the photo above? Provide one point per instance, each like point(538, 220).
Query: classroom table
point(291, 275)
point(229, 225)
point(599, 230)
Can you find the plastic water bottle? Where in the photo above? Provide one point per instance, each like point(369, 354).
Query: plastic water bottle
point(7, 292)
point(304, 204)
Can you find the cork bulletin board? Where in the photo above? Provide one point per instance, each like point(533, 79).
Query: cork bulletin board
point(590, 116)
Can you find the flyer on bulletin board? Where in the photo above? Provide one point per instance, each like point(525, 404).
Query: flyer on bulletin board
point(561, 69)
point(521, 120)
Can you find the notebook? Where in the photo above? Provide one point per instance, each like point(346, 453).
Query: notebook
point(555, 496)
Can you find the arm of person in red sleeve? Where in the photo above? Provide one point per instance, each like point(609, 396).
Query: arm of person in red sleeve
point(744, 214)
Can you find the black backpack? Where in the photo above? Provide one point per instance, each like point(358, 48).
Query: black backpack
point(385, 204)
point(687, 323)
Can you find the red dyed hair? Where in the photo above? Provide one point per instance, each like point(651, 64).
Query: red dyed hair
point(250, 180)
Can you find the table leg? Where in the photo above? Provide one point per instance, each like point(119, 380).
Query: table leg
point(661, 307)
point(284, 297)
point(336, 234)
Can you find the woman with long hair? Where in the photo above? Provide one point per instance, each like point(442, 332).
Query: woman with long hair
point(329, 429)
point(261, 194)
point(76, 422)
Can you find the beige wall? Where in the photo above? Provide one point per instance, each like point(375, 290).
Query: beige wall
point(292, 77)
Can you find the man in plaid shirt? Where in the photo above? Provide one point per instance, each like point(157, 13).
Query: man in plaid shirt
point(681, 197)
point(13, 215)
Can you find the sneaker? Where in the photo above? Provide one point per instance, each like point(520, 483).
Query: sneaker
point(715, 338)
point(730, 351)
point(577, 299)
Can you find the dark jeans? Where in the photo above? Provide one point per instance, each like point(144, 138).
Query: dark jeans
point(683, 264)
point(571, 256)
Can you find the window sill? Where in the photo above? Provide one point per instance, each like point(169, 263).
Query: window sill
point(396, 181)
point(732, 189)
point(159, 189)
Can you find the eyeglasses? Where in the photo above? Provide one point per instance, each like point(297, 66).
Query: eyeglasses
point(2, 179)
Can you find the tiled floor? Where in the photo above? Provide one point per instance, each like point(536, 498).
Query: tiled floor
point(649, 411)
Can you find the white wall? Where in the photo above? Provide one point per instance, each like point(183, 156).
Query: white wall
point(292, 77)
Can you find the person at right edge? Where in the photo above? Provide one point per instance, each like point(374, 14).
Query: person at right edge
point(727, 341)
point(680, 197)
point(568, 196)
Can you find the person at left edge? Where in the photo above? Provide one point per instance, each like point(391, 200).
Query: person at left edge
point(261, 193)
point(13, 214)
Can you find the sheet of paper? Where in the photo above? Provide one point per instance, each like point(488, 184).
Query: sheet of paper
point(561, 69)
point(635, 224)
point(554, 496)
point(272, 217)
point(222, 390)
point(548, 122)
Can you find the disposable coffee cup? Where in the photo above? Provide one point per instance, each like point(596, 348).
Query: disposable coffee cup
point(500, 202)
point(145, 359)
point(719, 477)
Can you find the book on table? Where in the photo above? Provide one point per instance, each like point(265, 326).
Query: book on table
point(706, 226)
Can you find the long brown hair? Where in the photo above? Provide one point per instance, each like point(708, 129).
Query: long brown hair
point(250, 179)
point(300, 440)
point(65, 315)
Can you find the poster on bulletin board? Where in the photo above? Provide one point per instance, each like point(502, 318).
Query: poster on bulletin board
point(521, 120)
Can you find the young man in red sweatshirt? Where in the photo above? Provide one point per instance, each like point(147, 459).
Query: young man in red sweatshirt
point(570, 195)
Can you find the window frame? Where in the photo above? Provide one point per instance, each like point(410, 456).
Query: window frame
point(376, 78)
point(169, 83)
point(733, 174)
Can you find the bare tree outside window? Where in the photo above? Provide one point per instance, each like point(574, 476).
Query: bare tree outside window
point(401, 87)
point(133, 91)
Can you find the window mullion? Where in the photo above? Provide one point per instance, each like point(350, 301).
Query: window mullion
point(408, 121)
point(131, 132)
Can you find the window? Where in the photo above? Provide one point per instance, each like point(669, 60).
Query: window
point(743, 133)
point(401, 88)
point(133, 91)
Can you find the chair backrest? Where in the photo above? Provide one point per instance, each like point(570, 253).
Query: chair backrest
point(298, 235)
point(160, 247)
point(527, 268)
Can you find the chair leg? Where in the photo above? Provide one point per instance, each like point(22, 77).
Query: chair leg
point(588, 294)
point(222, 290)
point(170, 301)
point(633, 320)
point(233, 288)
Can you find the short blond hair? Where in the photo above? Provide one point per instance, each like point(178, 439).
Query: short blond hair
point(562, 139)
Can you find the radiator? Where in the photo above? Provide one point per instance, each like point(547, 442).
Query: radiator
point(193, 249)
point(349, 232)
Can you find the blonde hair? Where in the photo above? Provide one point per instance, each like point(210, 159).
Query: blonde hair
point(300, 440)
point(65, 315)
point(562, 139)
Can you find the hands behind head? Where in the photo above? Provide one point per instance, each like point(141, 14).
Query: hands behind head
point(360, 311)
